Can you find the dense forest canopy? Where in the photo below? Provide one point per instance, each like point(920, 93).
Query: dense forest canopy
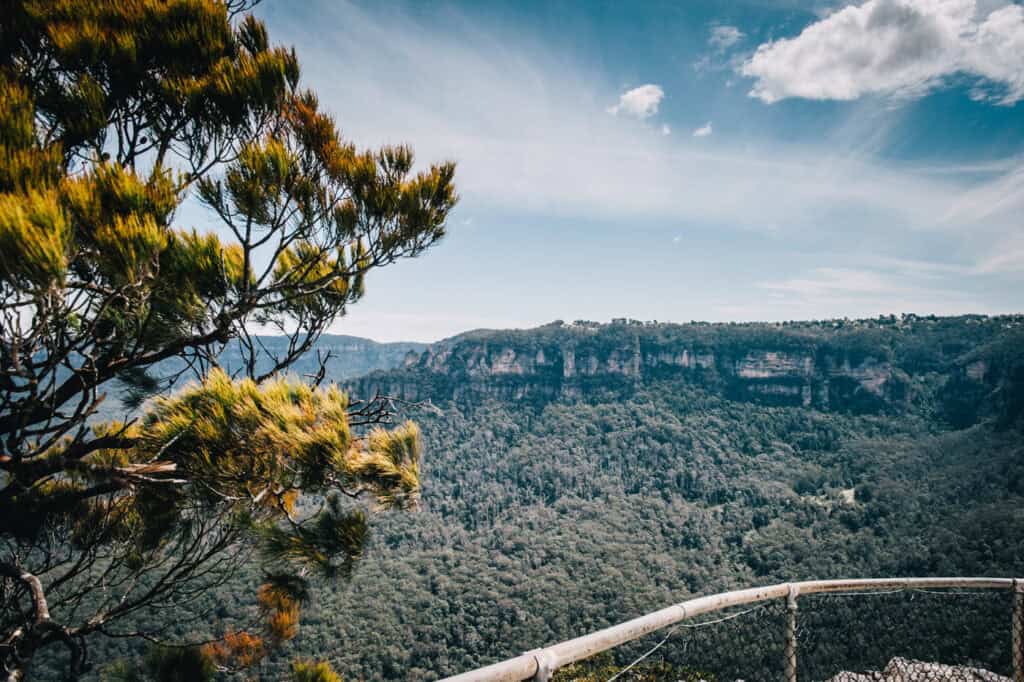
point(547, 515)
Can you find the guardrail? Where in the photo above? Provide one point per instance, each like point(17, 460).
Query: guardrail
point(540, 664)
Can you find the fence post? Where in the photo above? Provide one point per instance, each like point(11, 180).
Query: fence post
point(790, 653)
point(545, 666)
point(1018, 630)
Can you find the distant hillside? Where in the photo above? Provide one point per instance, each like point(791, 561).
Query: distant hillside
point(352, 356)
point(961, 366)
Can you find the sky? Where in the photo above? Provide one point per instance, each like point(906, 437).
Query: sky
point(677, 161)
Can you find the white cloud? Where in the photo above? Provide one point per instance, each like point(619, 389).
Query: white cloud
point(723, 37)
point(665, 129)
point(703, 131)
point(900, 48)
point(641, 102)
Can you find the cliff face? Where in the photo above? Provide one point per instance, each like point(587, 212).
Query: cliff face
point(525, 367)
point(866, 368)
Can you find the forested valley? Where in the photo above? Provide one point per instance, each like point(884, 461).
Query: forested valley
point(545, 517)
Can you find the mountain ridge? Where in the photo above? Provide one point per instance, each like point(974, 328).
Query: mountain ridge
point(863, 366)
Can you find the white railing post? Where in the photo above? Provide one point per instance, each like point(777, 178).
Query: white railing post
point(790, 653)
point(1018, 630)
point(545, 666)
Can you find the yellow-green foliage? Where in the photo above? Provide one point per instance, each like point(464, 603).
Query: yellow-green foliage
point(187, 48)
point(250, 437)
point(108, 221)
point(111, 191)
point(391, 461)
point(194, 269)
point(245, 438)
point(24, 164)
point(379, 187)
point(319, 136)
point(16, 127)
point(310, 671)
point(120, 221)
point(130, 247)
point(308, 265)
point(259, 445)
point(34, 240)
point(262, 173)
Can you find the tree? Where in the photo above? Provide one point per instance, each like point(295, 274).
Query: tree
point(308, 671)
point(111, 115)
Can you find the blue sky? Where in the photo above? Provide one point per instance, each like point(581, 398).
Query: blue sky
point(766, 160)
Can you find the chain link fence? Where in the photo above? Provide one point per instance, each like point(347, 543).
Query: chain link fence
point(900, 635)
point(907, 635)
point(826, 634)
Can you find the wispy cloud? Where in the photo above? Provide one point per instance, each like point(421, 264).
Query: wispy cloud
point(641, 102)
point(1000, 198)
point(723, 36)
point(704, 130)
point(1007, 259)
point(827, 281)
point(722, 39)
point(529, 129)
point(900, 48)
point(852, 292)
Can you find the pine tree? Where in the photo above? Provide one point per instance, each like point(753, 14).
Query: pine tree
point(112, 114)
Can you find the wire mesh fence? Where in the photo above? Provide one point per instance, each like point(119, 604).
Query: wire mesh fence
point(723, 646)
point(908, 635)
point(711, 648)
point(890, 630)
point(891, 636)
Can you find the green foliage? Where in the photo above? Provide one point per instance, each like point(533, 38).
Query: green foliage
point(334, 533)
point(180, 664)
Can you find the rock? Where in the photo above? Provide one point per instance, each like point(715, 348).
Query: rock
point(907, 670)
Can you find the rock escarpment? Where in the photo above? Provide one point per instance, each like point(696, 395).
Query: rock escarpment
point(863, 367)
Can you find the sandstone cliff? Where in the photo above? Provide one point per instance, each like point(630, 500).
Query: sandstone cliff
point(861, 367)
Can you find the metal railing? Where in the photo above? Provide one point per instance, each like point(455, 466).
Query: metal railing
point(540, 664)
